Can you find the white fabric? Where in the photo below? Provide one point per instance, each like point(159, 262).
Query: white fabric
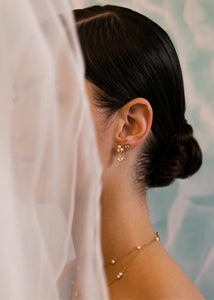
point(50, 171)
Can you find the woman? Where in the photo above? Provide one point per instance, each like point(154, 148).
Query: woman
point(135, 89)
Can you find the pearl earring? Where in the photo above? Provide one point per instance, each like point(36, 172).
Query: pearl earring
point(121, 150)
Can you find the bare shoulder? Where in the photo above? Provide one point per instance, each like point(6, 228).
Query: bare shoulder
point(155, 275)
point(164, 279)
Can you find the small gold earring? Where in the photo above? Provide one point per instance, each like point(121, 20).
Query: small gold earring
point(121, 150)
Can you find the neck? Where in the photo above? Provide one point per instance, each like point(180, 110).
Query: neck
point(125, 219)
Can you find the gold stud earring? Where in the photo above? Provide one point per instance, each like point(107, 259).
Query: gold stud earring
point(121, 150)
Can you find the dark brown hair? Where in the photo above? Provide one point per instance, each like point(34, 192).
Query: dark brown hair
point(127, 55)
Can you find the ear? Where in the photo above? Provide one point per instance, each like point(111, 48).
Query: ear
point(134, 122)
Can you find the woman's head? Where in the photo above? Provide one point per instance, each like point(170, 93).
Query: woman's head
point(128, 57)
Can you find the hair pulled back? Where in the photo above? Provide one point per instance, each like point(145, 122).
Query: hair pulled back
point(127, 56)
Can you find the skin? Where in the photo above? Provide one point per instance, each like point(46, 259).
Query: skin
point(125, 217)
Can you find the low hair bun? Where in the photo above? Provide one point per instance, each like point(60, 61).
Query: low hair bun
point(182, 157)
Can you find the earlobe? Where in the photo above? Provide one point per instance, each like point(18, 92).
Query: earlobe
point(134, 122)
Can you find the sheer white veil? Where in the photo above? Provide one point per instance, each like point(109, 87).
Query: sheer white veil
point(50, 171)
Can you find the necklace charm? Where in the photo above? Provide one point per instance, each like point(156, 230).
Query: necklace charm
point(157, 236)
point(119, 275)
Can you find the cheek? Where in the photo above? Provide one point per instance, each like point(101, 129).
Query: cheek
point(104, 135)
point(101, 134)
point(103, 131)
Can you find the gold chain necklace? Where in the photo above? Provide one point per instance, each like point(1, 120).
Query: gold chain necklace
point(137, 250)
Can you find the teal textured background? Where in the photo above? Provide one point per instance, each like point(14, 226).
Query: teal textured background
point(183, 213)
